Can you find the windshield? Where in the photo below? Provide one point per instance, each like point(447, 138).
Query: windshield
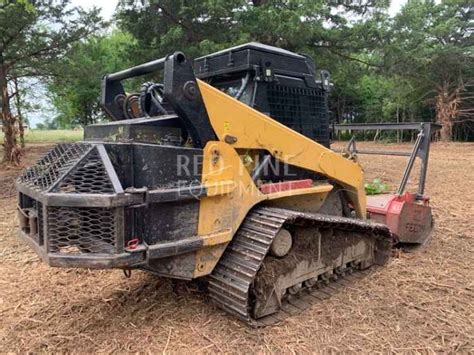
point(232, 87)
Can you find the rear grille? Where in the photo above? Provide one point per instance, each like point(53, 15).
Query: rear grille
point(53, 165)
point(89, 176)
point(81, 230)
point(302, 109)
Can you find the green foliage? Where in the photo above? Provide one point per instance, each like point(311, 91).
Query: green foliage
point(75, 95)
point(48, 124)
point(376, 187)
point(33, 36)
point(200, 27)
point(432, 42)
point(431, 48)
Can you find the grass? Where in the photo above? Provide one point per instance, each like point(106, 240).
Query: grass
point(51, 136)
point(376, 187)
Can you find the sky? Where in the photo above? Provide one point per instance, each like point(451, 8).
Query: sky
point(395, 6)
point(107, 6)
point(107, 9)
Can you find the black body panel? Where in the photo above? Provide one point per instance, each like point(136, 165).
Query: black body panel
point(284, 85)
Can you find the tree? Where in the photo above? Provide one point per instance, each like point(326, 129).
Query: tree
point(347, 48)
point(32, 36)
point(19, 116)
point(200, 27)
point(75, 94)
point(431, 47)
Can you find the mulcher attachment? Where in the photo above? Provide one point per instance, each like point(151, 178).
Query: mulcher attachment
point(410, 220)
point(262, 289)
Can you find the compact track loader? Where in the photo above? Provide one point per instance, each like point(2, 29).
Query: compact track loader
point(223, 172)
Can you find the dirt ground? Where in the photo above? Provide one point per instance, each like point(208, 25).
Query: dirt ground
point(422, 302)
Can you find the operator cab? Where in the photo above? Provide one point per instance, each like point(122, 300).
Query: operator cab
point(284, 85)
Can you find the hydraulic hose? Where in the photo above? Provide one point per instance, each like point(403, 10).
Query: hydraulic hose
point(150, 91)
point(245, 82)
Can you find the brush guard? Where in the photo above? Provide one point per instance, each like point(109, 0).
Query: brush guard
point(71, 208)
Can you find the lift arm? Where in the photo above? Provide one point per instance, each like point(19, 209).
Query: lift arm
point(244, 127)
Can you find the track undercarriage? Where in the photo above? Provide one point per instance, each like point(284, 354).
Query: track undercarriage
point(263, 289)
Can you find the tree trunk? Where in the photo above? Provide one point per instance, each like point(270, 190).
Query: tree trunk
point(447, 109)
point(21, 129)
point(446, 132)
point(398, 121)
point(443, 115)
point(11, 153)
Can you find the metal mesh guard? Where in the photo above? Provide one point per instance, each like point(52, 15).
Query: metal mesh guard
point(89, 176)
point(53, 165)
point(70, 168)
point(302, 109)
point(81, 230)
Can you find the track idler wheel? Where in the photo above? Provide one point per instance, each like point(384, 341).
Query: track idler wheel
point(282, 243)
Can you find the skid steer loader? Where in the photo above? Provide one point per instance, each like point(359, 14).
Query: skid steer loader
point(223, 172)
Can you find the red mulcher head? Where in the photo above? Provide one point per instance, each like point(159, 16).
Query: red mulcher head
point(409, 219)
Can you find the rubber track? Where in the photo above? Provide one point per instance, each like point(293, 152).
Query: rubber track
point(231, 280)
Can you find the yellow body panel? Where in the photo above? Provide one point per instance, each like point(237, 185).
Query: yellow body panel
point(254, 130)
point(222, 210)
point(323, 188)
point(231, 192)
